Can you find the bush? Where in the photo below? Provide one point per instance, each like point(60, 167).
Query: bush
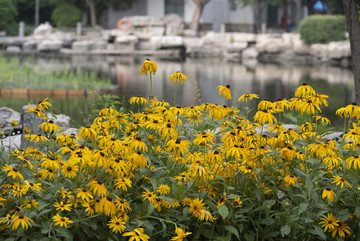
point(8, 14)
point(322, 28)
point(66, 15)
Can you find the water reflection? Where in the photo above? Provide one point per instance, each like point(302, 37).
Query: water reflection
point(270, 81)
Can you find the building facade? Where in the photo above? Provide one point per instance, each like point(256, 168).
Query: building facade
point(218, 15)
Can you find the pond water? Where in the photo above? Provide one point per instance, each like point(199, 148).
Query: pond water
point(269, 80)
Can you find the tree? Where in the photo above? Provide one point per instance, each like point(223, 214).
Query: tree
point(8, 15)
point(351, 9)
point(96, 7)
point(200, 4)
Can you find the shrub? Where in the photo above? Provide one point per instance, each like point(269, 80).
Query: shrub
point(322, 28)
point(66, 15)
point(8, 14)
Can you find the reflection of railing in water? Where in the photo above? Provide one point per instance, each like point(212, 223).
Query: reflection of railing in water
point(57, 93)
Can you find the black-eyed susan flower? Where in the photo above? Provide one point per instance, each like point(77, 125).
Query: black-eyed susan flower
point(349, 111)
point(206, 215)
point(225, 91)
point(61, 206)
point(84, 194)
point(353, 161)
point(180, 234)
point(49, 127)
point(12, 172)
point(37, 111)
point(196, 206)
point(148, 67)
point(22, 220)
point(340, 181)
point(204, 139)
point(87, 133)
point(137, 234)
point(329, 194)
point(304, 90)
point(116, 224)
point(341, 228)
point(123, 183)
point(329, 223)
point(237, 203)
point(265, 117)
point(69, 170)
point(122, 205)
point(163, 189)
point(309, 107)
point(98, 188)
point(147, 195)
point(137, 144)
point(138, 100)
point(61, 221)
point(108, 205)
point(290, 180)
point(177, 146)
point(44, 104)
point(246, 97)
point(176, 77)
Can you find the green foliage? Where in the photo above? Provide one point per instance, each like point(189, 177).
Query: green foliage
point(13, 74)
point(322, 28)
point(66, 15)
point(8, 15)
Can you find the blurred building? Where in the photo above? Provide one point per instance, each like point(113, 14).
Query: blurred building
point(218, 15)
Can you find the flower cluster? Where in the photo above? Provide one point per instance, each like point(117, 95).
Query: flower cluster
point(205, 171)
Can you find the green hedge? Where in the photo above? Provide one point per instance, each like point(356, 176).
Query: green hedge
point(322, 28)
point(66, 15)
point(8, 15)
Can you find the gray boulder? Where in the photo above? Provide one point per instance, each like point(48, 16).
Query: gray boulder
point(6, 116)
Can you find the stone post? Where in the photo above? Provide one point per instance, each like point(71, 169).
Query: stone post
point(78, 28)
point(21, 29)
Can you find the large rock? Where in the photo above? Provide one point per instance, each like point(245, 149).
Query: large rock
point(320, 51)
point(339, 50)
point(82, 46)
point(250, 53)
point(48, 45)
point(6, 116)
point(30, 45)
point(174, 24)
point(235, 47)
point(13, 49)
point(11, 142)
point(61, 120)
point(126, 39)
point(299, 47)
point(43, 29)
point(242, 37)
point(141, 21)
point(167, 41)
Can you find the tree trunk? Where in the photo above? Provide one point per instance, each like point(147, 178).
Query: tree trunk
point(353, 26)
point(91, 5)
point(194, 25)
point(285, 16)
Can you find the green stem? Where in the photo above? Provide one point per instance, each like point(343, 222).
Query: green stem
point(151, 85)
point(175, 93)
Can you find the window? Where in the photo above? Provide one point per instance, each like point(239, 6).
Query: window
point(174, 6)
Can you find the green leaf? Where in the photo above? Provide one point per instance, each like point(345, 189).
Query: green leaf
point(233, 230)
point(233, 196)
point(285, 230)
point(302, 207)
point(249, 236)
point(318, 231)
point(280, 194)
point(223, 211)
point(357, 212)
point(268, 221)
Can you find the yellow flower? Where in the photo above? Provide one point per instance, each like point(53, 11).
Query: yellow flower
point(148, 66)
point(61, 221)
point(123, 183)
point(63, 206)
point(49, 127)
point(43, 104)
point(108, 205)
point(263, 117)
point(329, 222)
point(21, 219)
point(309, 106)
point(181, 234)
point(137, 234)
point(116, 224)
point(341, 228)
point(248, 97)
point(14, 123)
point(87, 133)
point(147, 195)
point(340, 181)
point(84, 194)
point(237, 203)
point(137, 144)
point(196, 206)
point(290, 180)
point(353, 161)
point(304, 91)
point(329, 194)
point(225, 91)
point(178, 76)
point(98, 187)
point(69, 170)
point(138, 100)
point(12, 172)
point(122, 205)
point(288, 152)
point(163, 189)
point(178, 146)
